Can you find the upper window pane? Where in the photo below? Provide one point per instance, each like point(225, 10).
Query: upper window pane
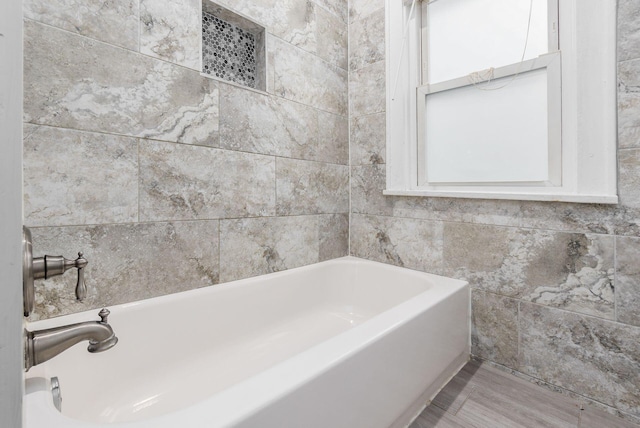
point(466, 36)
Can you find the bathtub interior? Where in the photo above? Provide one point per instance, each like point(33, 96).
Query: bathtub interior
point(176, 350)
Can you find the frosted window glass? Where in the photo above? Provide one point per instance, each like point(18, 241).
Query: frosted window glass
point(473, 35)
point(489, 136)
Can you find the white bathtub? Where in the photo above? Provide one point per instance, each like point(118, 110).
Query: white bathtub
point(344, 343)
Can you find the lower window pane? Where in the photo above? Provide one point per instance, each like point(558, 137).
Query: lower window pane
point(479, 136)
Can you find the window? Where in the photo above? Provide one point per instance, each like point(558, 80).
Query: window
point(508, 99)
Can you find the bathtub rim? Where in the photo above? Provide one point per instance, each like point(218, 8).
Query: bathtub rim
point(251, 395)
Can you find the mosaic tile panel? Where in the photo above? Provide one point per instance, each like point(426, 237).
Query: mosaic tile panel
point(228, 52)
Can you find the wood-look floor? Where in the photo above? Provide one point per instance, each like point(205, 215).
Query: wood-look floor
point(481, 396)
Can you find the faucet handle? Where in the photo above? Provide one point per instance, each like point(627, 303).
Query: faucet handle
point(81, 286)
point(103, 314)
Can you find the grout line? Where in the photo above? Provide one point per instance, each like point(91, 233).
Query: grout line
point(165, 221)
point(615, 278)
point(139, 178)
point(349, 220)
point(396, 216)
point(154, 140)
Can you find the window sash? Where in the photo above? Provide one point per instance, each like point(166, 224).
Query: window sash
point(550, 62)
point(552, 34)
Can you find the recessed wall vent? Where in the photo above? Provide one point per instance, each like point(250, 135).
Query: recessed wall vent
point(233, 47)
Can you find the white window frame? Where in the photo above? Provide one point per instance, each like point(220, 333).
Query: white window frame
point(588, 109)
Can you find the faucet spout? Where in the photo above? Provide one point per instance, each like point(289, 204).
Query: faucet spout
point(42, 345)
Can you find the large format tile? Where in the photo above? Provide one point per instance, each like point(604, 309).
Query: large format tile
point(415, 244)
point(73, 177)
point(332, 38)
point(114, 22)
point(359, 9)
point(597, 358)
point(628, 29)
point(180, 181)
point(291, 20)
point(628, 280)
point(568, 270)
point(333, 236)
point(367, 90)
point(256, 246)
point(366, 40)
point(171, 30)
point(367, 184)
point(333, 138)
point(560, 216)
point(259, 123)
point(304, 187)
point(126, 263)
point(628, 103)
point(494, 328)
point(74, 82)
point(305, 78)
point(368, 139)
point(337, 7)
point(629, 177)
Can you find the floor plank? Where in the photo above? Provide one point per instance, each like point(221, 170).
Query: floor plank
point(595, 418)
point(435, 417)
point(482, 396)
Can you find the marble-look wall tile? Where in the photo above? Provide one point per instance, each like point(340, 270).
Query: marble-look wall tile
point(256, 246)
point(258, 123)
point(304, 187)
point(367, 90)
point(338, 7)
point(74, 82)
point(494, 334)
point(366, 40)
point(182, 182)
point(561, 216)
point(629, 177)
point(171, 30)
point(358, 9)
point(73, 177)
point(333, 138)
point(293, 21)
point(610, 219)
point(628, 102)
point(628, 29)
point(127, 262)
point(484, 211)
point(629, 137)
point(254, 122)
point(567, 270)
point(592, 356)
point(114, 22)
point(305, 78)
point(367, 184)
point(333, 236)
point(628, 280)
point(332, 38)
point(368, 139)
point(415, 244)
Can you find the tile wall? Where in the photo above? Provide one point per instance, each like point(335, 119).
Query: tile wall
point(139, 161)
point(556, 286)
point(169, 180)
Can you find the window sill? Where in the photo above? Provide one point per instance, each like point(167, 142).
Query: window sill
point(591, 199)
